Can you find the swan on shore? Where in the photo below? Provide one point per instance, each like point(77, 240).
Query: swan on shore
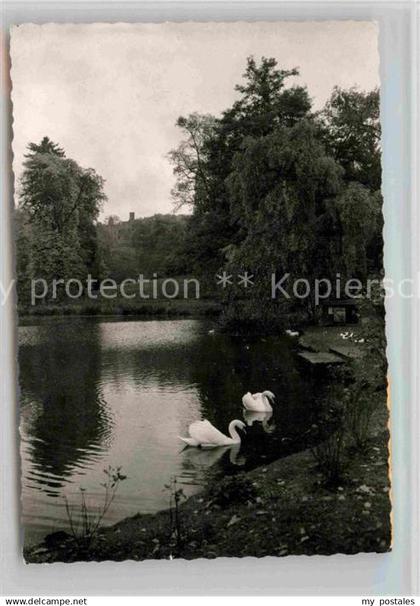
point(258, 402)
point(204, 435)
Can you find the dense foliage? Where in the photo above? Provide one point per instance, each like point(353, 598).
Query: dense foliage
point(59, 237)
point(272, 188)
point(276, 188)
point(59, 206)
point(148, 246)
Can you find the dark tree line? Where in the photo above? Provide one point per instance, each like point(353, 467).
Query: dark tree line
point(271, 185)
point(59, 236)
point(148, 246)
point(276, 187)
point(56, 219)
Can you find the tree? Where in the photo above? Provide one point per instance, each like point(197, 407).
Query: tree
point(61, 203)
point(151, 245)
point(357, 209)
point(112, 220)
point(189, 159)
point(158, 244)
point(23, 257)
point(264, 104)
point(351, 131)
point(58, 192)
point(280, 188)
point(352, 134)
point(45, 147)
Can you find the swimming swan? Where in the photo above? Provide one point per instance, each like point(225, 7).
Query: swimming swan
point(258, 402)
point(204, 435)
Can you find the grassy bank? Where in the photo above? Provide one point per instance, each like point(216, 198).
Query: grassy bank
point(182, 297)
point(125, 307)
point(288, 510)
point(290, 506)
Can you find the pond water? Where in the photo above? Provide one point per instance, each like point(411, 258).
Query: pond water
point(98, 392)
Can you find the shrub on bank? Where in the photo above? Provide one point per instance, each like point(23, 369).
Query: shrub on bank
point(233, 489)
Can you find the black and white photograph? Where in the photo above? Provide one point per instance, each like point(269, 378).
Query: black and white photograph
point(200, 288)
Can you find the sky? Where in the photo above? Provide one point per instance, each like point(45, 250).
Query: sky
point(110, 94)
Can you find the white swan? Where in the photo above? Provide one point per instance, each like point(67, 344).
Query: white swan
point(251, 416)
point(204, 435)
point(258, 402)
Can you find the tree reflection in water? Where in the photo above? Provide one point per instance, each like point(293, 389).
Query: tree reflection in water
point(96, 392)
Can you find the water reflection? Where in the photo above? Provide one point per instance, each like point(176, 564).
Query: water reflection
point(251, 416)
point(97, 392)
point(208, 457)
point(63, 410)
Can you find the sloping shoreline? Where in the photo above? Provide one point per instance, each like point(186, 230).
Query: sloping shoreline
point(293, 514)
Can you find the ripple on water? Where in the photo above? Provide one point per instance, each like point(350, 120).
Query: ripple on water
point(96, 393)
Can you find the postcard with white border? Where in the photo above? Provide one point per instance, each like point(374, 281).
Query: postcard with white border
point(199, 265)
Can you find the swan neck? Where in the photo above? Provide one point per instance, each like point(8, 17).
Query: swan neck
point(233, 432)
